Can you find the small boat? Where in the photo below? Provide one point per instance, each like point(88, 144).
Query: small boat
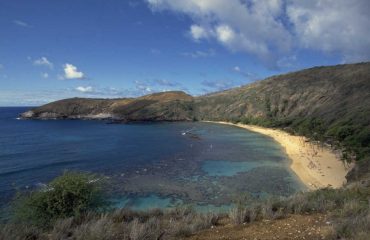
point(187, 131)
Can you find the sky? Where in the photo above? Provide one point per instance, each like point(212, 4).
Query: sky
point(50, 50)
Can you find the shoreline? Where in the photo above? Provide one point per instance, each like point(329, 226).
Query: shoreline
point(316, 166)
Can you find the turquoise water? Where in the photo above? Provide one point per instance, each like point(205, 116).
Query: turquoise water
point(149, 165)
point(227, 168)
point(154, 201)
point(146, 203)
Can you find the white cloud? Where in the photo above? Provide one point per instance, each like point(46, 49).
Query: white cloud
point(144, 87)
point(165, 82)
point(247, 26)
point(45, 75)
point(39, 97)
point(43, 61)
point(334, 26)
point(155, 85)
point(101, 92)
point(246, 74)
point(200, 54)
point(288, 61)
point(274, 29)
point(219, 85)
point(225, 34)
point(71, 72)
point(21, 23)
point(197, 32)
point(87, 89)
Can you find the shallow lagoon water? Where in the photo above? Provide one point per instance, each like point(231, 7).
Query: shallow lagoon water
point(148, 164)
point(145, 203)
point(227, 168)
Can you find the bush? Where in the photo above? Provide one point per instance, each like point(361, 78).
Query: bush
point(238, 215)
point(147, 230)
point(185, 221)
point(69, 195)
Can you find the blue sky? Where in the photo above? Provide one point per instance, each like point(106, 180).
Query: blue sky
point(51, 50)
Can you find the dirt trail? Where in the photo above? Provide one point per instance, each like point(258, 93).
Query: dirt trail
point(294, 227)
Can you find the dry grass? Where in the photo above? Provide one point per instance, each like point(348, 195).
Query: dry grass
point(348, 210)
point(238, 215)
point(20, 232)
point(121, 224)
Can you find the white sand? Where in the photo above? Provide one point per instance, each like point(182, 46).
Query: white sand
point(316, 166)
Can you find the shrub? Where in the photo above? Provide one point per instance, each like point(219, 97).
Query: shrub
point(251, 214)
point(71, 194)
point(238, 215)
point(147, 230)
point(267, 211)
point(184, 221)
point(355, 227)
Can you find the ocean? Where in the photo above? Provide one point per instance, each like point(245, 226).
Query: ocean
point(148, 165)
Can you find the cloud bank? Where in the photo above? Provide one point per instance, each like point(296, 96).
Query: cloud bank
point(273, 29)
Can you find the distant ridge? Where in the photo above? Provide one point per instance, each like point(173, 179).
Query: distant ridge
point(164, 106)
point(330, 104)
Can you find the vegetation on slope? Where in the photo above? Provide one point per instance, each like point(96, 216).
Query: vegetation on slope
point(71, 207)
point(70, 195)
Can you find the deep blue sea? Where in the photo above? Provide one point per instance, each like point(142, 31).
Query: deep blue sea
point(148, 164)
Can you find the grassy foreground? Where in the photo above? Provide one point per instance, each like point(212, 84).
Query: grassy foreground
point(72, 207)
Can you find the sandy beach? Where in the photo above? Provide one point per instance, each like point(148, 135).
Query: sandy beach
point(316, 166)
